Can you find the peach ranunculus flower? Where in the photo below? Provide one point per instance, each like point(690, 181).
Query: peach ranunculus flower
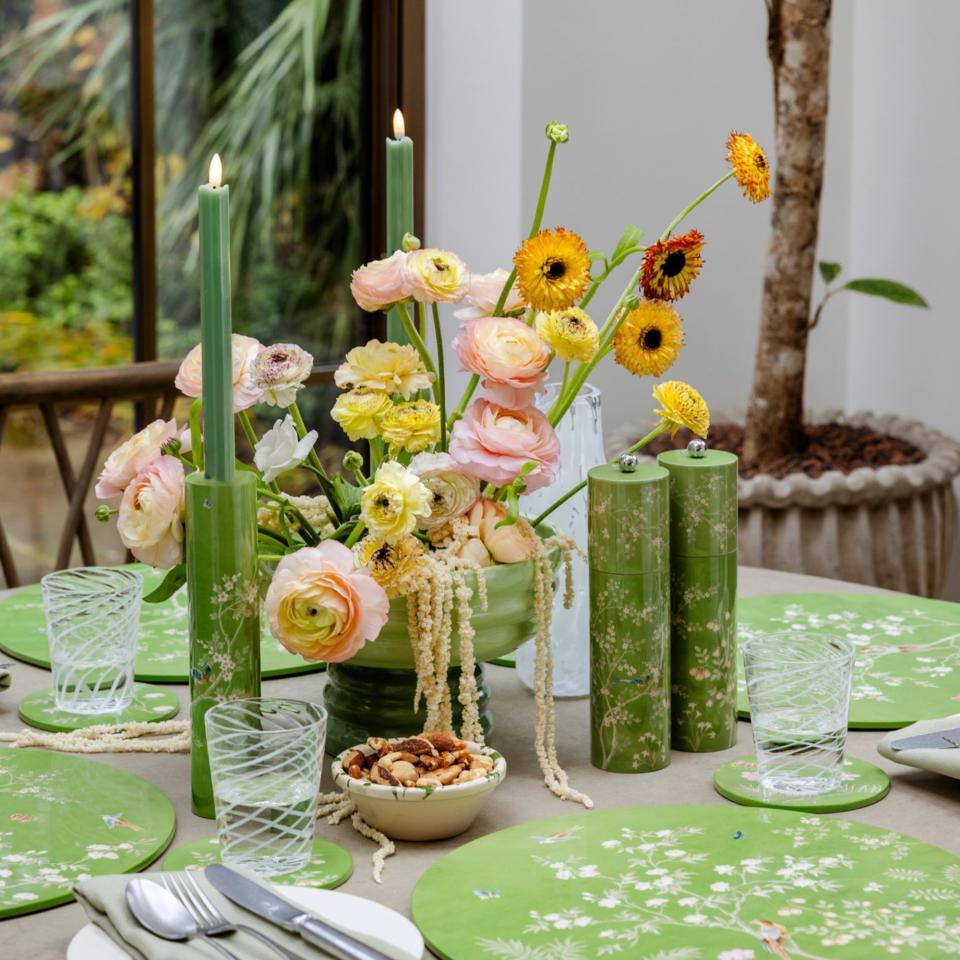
point(508, 544)
point(436, 276)
point(246, 392)
point(131, 457)
point(483, 293)
point(380, 283)
point(493, 443)
point(321, 606)
point(150, 522)
point(508, 354)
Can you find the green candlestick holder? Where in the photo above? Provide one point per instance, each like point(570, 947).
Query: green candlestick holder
point(224, 608)
point(629, 558)
point(703, 573)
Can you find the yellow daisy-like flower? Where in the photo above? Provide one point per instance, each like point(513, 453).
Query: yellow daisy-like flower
point(384, 367)
point(682, 406)
point(391, 506)
point(750, 166)
point(392, 565)
point(650, 339)
point(411, 426)
point(553, 269)
point(359, 413)
point(670, 266)
point(570, 334)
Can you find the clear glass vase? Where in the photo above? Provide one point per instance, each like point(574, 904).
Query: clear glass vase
point(580, 434)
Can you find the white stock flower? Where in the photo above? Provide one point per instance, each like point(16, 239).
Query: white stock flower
point(452, 493)
point(280, 449)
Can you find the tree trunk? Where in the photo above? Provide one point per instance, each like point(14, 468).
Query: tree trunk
point(799, 46)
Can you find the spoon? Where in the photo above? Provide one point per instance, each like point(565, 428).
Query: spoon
point(160, 912)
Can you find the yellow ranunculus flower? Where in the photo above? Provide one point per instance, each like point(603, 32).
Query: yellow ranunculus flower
point(412, 426)
point(436, 276)
point(391, 506)
point(359, 413)
point(682, 406)
point(571, 334)
point(384, 367)
point(392, 565)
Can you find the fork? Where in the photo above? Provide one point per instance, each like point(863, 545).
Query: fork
point(211, 921)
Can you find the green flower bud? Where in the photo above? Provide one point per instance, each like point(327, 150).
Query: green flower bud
point(103, 513)
point(409, 242)
point(558, 132)
point(352, 461)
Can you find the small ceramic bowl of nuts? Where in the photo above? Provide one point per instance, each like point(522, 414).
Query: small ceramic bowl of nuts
point(426, 787)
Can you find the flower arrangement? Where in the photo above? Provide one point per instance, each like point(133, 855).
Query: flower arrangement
point(438, 500)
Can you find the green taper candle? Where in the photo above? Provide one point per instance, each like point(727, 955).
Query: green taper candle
point(703, 561)
point(628, 541)
point(399, 204)
point(221, 513)
point(216, 329)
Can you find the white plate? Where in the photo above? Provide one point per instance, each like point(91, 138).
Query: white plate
point(354, 915)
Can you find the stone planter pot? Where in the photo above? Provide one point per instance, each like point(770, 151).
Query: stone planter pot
point(889, 527)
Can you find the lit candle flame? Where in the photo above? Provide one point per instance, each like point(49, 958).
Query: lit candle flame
point(216, 171)
point(399, 130)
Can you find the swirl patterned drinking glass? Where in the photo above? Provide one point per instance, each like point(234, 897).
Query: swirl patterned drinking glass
point(798, 685)
point(93, 620)
point(265, 763)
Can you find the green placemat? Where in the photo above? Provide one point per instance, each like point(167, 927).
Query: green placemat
point(163, 654)
point(329, 866)
point(691, 883)
point(908, 650)
point(65, 818)
point(862, 784)
point(149, 704)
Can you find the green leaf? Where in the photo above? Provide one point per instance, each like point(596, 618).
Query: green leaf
point(596, 255)
point(175, 578)
point(627, 244)
point(888, 289)
point(829, 271)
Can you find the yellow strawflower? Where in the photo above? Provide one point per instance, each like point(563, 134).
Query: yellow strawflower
point(359, 413)
point(553, 269)
point(412, 426)
point(391, 506)
point(682, 406)
point(392, 565)
point(571, 334)
point(385, 367)
point(750, 166)
point(650, 339)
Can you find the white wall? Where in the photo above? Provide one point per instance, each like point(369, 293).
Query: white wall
point(650, 89)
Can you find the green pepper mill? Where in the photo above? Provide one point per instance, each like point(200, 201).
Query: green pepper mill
point(628, 539)
point(703, 575)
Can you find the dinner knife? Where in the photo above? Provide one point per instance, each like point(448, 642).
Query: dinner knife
point(933, 739)
point(259, 900)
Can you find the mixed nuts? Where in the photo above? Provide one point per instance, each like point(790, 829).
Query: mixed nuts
point(428, 760)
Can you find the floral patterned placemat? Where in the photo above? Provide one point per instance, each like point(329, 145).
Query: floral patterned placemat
point(149, 705)
point(908, 649)
point(66, 818)
point(861, 784)
point(691, 883)
point(330, 865)
point(163, 652)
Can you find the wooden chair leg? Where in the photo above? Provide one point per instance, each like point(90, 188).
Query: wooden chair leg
point(10, 575)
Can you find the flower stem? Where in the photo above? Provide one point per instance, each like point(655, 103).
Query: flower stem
point(294, 412)
point(694, 204)
point(566, 376)
point(355, 534)
point(544, 190)
point(196, 434)
point(309, 534)
point(416, 339)
point(441, 382)
point(642, 442)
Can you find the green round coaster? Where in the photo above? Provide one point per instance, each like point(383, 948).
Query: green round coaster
point(862, 783)
point(149, 704)
point(329, 866)
point(65, 818)
point(705, 882)
point(163, 652)
point(908, 650)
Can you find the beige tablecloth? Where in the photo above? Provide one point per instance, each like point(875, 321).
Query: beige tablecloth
point(921, 804)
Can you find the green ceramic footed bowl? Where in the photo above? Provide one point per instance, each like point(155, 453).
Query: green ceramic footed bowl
point(508, 621)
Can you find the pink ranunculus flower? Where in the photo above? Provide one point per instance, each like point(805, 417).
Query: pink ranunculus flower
point(131, 457)
point(321, 606)
point(246, 392)
point(493, 443)
point(150, 522)
point(483, 292)
point(508, 544)
point(508, 354)
point(380, 283)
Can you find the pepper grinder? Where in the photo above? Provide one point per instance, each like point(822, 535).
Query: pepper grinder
point(703, 574)
point(628, 540)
